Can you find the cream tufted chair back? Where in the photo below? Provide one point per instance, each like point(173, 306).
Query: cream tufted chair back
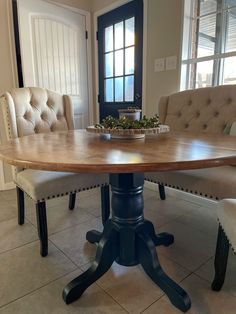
point(206, 109)
point(36, 110)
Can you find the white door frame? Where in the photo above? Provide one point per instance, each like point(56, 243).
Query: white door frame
point(95, 17)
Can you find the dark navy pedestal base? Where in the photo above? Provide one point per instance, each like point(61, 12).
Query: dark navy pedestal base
point(129, 240)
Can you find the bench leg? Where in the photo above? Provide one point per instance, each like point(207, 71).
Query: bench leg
point(221, 258)
point(162, 191)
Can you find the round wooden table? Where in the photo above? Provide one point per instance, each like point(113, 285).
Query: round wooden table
point(127, 237)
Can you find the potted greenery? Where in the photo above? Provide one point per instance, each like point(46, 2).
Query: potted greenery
point(131, 113)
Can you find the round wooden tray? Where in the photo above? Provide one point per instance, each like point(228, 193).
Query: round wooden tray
point(129, 133)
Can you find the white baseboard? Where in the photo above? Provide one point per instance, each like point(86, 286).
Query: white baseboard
point(201, 201)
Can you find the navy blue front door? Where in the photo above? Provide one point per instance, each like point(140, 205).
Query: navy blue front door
point(120, 49)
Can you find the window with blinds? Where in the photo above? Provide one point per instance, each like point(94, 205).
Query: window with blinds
point(209, 43)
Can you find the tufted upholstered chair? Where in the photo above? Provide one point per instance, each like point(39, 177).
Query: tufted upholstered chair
point(226, 212)
point(35, 110)
point(207, 110)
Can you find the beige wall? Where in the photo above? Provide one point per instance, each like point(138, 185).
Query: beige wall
point(80, 4)
point(97, 5)
point(6, 74)
point(164, 38)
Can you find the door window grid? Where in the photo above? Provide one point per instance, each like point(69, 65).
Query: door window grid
point(119, 62)
point(209, 43)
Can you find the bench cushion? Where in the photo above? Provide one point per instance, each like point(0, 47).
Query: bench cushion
point(226, 212)
point(42, 185)
point(216, 183)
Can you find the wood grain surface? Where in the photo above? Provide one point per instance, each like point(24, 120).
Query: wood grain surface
point(79, 151)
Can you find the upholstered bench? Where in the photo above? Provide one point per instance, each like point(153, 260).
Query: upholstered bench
point(226, 212)
point(209, 110)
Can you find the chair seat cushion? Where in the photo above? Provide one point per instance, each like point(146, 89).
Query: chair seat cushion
point(217, 182)
point(226, 212)
point(42, 185)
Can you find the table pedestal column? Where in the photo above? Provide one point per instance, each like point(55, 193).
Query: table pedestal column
point(129, 240)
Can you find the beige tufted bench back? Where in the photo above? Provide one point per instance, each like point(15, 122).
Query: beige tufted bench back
point(206, 109)
point(37, 110)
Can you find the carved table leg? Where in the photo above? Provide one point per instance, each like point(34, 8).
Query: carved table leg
point(128, 239)
point(163, 238)
point(93, 236)
point(149, 260)
point(105, 256)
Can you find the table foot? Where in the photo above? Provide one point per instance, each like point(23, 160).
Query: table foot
point(93, 236)
point(105, 256)
point(150, 263)
point(163, 238)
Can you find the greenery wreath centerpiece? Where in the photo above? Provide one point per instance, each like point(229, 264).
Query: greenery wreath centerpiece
point(125, 123)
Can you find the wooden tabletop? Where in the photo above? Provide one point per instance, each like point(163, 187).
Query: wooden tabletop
point(78, 151)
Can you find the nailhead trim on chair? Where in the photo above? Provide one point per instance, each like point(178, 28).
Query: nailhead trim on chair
point(61, 194)
point(9, 129)
point(182, 189)
point(234, 250)
point(3, 102)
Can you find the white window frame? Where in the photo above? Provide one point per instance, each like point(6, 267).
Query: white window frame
point(187, 60)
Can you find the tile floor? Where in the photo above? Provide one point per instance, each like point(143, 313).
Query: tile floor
point(32, 284)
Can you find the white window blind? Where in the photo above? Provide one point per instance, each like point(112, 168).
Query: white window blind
point(209, 43)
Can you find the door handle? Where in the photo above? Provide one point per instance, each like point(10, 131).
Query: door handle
point(137, 96)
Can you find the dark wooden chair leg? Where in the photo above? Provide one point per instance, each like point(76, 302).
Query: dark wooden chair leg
point(221, 258)
point(20, 205)
point(105, 201)
point(162, 191)
point(72, 201)
point(42, 227)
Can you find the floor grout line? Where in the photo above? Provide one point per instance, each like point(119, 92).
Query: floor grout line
point(106, 292)
point(52, 243)
point(19, 246)
point(34, 290)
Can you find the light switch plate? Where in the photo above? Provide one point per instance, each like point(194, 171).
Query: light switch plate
point(159, 65)
point(171, 63)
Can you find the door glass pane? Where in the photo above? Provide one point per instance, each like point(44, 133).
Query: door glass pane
point(207, 34)
point(109, 64)
point(231, 30)
point(229, 71)
point(119, 35)
point(119, 62)
point(119, 89)
point(129, 88)
point(109, 90)
point(129, 32)
point(129, 60)
point(108, 38)
point(204, 74)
